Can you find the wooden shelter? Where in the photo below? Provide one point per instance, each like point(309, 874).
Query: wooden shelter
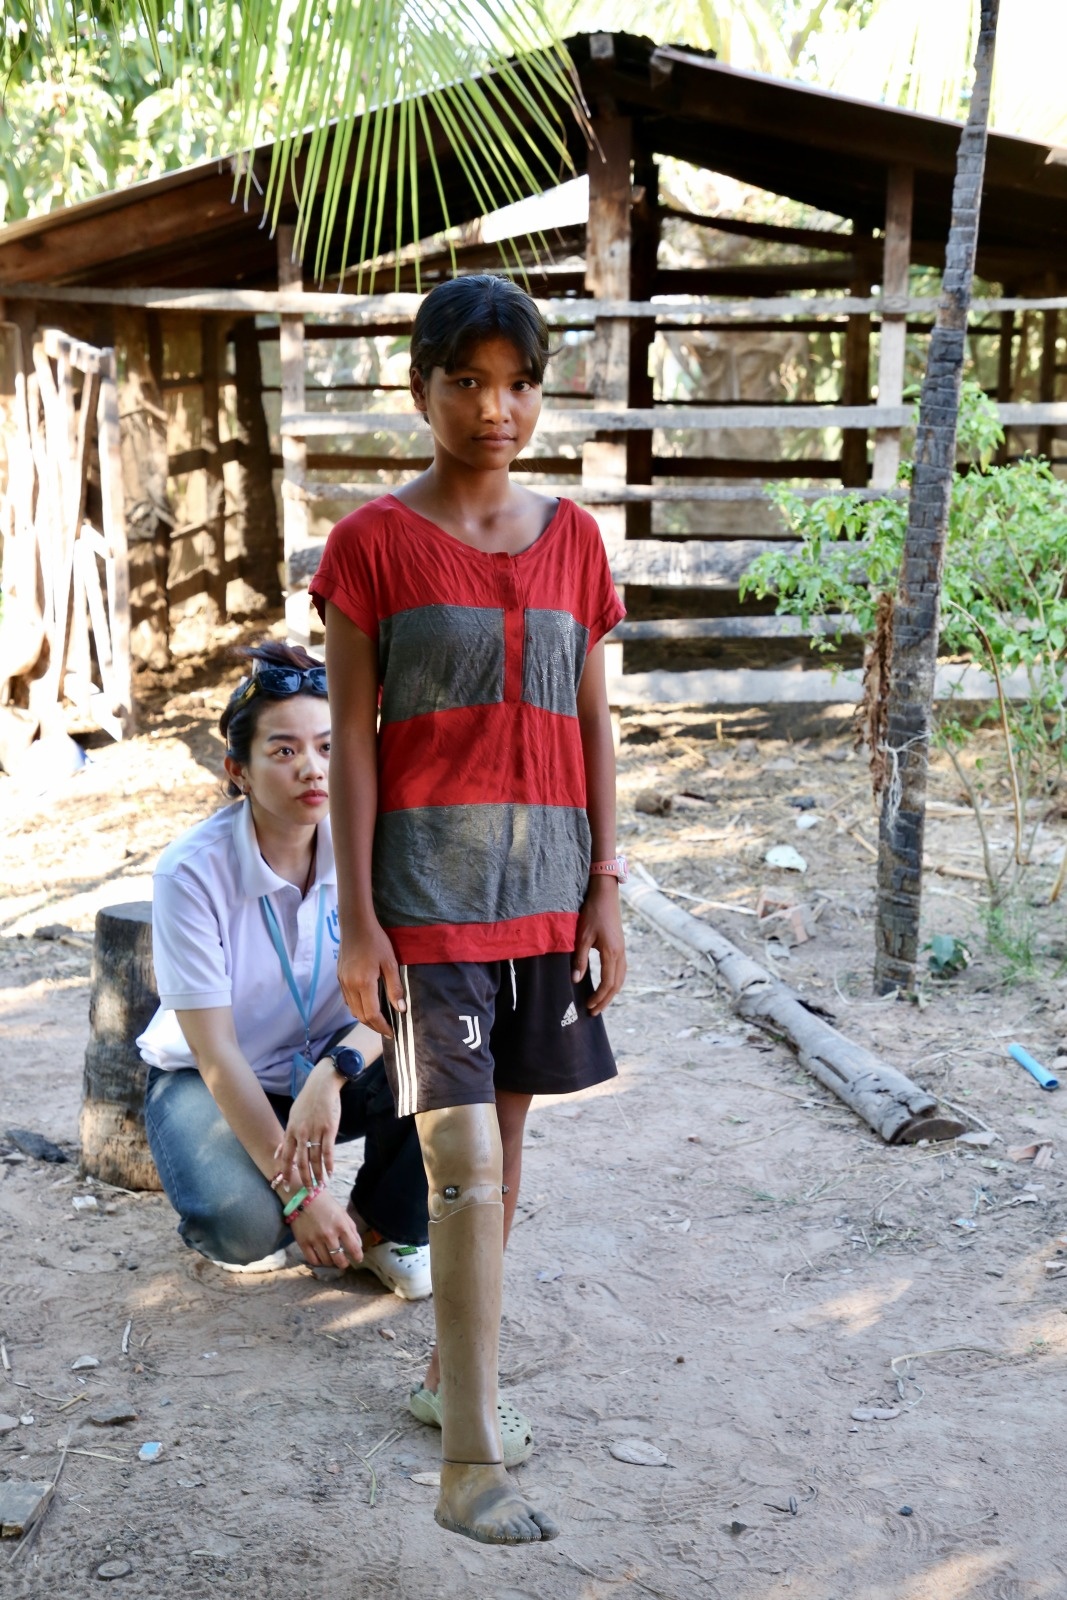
point(185, 284)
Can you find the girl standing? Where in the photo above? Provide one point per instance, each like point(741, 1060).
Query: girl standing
point(475, 830)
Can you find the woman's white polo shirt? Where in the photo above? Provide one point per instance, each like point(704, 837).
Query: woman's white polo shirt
point(211, 946)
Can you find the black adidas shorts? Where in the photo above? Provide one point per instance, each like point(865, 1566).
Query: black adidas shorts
point(473, 1027)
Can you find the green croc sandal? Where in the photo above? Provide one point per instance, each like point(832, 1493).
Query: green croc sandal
point(516, 1434)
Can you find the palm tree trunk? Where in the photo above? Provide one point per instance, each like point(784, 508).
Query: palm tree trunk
point(918, 600)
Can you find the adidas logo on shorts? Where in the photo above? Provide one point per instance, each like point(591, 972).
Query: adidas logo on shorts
point(569, 1016)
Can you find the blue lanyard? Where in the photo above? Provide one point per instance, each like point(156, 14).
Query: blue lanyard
point(303, 1006)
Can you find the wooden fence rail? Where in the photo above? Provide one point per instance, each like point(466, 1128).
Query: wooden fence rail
point(346, 424)
point(588, 310)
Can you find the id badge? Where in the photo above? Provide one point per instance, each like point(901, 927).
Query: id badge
point(299, 1073)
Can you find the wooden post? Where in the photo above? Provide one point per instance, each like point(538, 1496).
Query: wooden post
point(215, 489)
point(607, 276)
point(1004, 372)
point(256, 512)
point(916, 614)
point(1050, 329)
point(856, 388)
point(645, 222)
point(112, 495)
point(891, 344)
point(121, 1004)
point(295, 521)
point(149, 518)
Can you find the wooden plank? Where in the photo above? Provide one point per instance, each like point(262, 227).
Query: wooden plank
point(660, 563)
point(114, 517)
point(752, 278)
point(214, 542)
point(607, 277)
point(257, 302)
point(801, 686)
point(76, 656)
point(748, 467)
point(892, 340)
point(144, 457)
point(86, 553)
point(809, 238)
point(1052, 414)
point(197, 460)
point(608, 494)
point(856, 388)
point(295, 520)
point(687, 466)
point(689, 563)
point(1046, 383)
point(344, 424)
point(1006, 332)
point(258, 536)
point(334, 461)
point(350, 424)
point(739, 627)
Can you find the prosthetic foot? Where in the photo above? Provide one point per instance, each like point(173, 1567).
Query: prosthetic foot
point(461, 1152)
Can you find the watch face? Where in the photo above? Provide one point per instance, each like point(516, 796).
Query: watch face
point(348, 1062)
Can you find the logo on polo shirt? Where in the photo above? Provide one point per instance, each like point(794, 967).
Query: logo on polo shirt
point(569, 1016)
point(474, 1032)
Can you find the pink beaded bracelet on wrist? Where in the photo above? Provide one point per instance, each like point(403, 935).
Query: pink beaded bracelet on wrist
point(312, 1194)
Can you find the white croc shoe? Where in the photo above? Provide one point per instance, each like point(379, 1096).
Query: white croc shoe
point(404, 1268)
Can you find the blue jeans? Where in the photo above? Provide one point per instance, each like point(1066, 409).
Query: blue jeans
point(226, 1207)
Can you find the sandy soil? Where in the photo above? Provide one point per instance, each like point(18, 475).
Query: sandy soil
point(713, 1257)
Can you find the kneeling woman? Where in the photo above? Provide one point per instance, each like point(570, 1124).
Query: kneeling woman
point(248, 1081)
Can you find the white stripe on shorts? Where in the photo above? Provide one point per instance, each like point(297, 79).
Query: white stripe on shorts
point(404, 1032)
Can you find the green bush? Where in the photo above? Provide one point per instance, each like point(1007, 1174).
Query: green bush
point(1003, 600)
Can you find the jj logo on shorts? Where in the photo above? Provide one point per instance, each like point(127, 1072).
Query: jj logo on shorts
point(474, 1032)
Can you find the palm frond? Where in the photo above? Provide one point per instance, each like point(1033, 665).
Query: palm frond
point(485, 85)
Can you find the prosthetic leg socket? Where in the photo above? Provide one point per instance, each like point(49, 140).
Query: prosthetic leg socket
point(464, 1168)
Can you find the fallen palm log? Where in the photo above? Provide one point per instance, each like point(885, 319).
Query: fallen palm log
point(888, 1102)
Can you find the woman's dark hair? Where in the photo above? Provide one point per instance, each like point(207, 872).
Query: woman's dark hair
point(238, 723)
point(464, 312)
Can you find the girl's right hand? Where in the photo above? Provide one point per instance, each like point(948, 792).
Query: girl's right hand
point(326, 1234)
point(362, 963)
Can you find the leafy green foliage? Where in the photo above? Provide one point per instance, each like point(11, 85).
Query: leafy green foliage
point(355, 88)
point(1003, 599)
point(91, 110)
point(1003, 595)
point(948, 956)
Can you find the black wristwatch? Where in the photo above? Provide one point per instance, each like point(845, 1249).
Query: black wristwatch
point(349, 1063)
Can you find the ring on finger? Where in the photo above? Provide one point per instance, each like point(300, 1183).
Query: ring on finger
point(338, 1250)
point(313, 1144)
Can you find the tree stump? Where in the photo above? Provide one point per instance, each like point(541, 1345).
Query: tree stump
point(122, 1002)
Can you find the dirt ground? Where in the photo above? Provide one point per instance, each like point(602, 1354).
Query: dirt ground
point(713, 1255)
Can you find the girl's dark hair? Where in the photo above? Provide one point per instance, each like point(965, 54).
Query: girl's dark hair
point(462, 313)
point(238, 723)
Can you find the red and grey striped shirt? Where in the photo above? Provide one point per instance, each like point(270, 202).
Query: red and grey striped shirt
point(481, 848)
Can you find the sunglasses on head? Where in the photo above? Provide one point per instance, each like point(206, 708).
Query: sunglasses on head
point(279, 683)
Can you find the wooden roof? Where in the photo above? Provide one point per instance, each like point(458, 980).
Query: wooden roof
point(190, 229)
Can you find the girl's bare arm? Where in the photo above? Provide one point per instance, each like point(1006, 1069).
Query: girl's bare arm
point(366, 953)
point(600, 921)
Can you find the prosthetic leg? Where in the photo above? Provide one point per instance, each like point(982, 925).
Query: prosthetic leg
point(462, 1156)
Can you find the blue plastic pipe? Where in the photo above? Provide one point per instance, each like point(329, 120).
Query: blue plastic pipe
point(1034, 1068)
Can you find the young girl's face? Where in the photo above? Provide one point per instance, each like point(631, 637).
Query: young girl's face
point(484, 413)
